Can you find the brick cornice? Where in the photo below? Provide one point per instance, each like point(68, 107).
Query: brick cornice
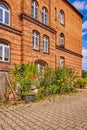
point(10, 29)
point(68, 51)
point(28, 18)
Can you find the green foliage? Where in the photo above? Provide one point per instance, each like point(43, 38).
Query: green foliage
point(49, 77)
point(81, 82)
point(84, 74)
point(65, 77)
point(25, 75)
point(62, 79)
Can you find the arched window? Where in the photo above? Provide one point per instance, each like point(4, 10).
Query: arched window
point(41, 65)
point(62, 39)
point(62, 61)
point(34, 9)
point(45, 44)
point(62, 17)
point(4, 51)
point(35, 40)
point(44, 16)
point(4, 14)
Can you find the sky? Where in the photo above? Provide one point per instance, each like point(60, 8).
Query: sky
point(81, 5)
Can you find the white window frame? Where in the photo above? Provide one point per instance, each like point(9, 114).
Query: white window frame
point(3, 14)
point(34, 10)
point(62, 17)
point(45, 44)
point(40, 68)
point(35, 37)
point(62, 61)
point(62, 39)
point(44, 16)
point(3, 52)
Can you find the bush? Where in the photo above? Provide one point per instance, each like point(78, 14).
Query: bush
point(49, 78)
point(65, 77)
point(84, 74)
point(24, 75)
point(81, 82)
point(62, 79)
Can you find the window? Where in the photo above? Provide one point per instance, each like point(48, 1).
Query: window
point(34, 9)
point(44, 16)
point(4, 14)
point(62, 17)
point(35, 40)
point(40, 68)
point(4, 52)
point(62, 61)
point(45, 44)
point(62, 39)
point(55, 14)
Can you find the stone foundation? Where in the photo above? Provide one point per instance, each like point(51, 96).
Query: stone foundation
point(3, 82)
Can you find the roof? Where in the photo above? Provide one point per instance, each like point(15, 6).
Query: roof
point(74, 8)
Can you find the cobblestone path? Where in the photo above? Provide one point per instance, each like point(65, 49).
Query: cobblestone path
point(59, 113)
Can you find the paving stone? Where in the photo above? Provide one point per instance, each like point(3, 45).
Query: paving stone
point(61, 113)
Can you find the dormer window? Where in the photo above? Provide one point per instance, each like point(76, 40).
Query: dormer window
point(4, 14)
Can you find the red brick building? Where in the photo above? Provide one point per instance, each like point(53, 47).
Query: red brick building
point(47, 32)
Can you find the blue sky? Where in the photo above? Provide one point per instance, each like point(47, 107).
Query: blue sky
point(81, 5)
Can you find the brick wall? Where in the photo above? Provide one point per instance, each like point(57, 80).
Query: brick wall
point(19, 34)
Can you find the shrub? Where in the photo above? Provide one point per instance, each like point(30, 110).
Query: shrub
point(24, 75)
point(49, 78)
point(62, 79)
point(65, 77)
point(84, 74)
point(81, 82)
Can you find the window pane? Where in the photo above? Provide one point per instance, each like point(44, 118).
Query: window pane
point(40, 68)
point(45, 45)
point(6, 17)
point(1, 15)
point(36, 44)
point(36, 13)
point(61, 62)
point(3, 6)
point(6, 54)
point(0, 52)
point(33, 40)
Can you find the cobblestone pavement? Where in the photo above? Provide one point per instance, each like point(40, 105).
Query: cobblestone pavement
point(59, 113)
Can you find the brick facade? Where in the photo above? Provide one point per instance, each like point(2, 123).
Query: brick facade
point(19, 34)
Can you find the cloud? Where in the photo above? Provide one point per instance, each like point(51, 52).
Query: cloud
point(84, 61)
point(80, 5)
point(84, 25)
point(84, 33)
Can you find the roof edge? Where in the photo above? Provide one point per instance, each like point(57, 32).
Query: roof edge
point(74, 8)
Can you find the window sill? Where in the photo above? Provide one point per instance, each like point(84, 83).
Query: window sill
point(62, 46)
point(46, 52)
point(5, 24)
point(5, 62)
point(36, 49)
point(62, 24)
